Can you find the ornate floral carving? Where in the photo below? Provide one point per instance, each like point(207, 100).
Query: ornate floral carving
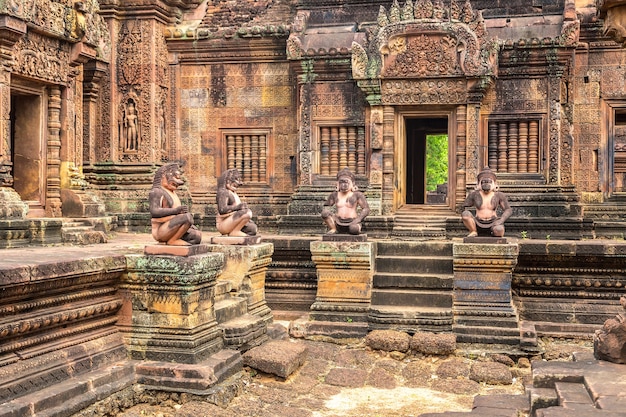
point(426, 43)
point(42, 58)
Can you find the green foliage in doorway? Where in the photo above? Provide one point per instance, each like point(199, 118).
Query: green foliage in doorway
point(436, 161)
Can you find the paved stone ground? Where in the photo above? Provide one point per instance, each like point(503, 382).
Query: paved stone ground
point(354, 381)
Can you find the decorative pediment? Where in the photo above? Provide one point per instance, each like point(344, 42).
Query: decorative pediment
point(426, 39)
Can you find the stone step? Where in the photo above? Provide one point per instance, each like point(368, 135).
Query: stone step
point(541, 398)
point(480, 335)
point(70, 396)
point(487, 321)
point(571, 394)
point(406, 297)
point(230, 308)
point(412, 248)
point(244, 332)
point(412, 280)
point(418, 263)
point(222, 290)
point(409, 318)
point(486, 330)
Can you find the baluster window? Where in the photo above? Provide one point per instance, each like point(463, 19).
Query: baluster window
point(341, 147)
point(247, 152)
point(514, 146)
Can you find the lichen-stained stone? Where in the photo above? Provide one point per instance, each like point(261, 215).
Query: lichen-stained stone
point(245, 267)
point(168, 311)
point(277, 357)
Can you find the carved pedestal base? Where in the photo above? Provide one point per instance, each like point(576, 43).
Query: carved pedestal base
point(344, 288)
point(483, 309)
point(245, 267)
point(168, 312)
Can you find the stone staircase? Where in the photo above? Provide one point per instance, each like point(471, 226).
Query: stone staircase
point(241, 330)
point(419, 222)
point(412, 286)
point(85, 231)
point(585, 387)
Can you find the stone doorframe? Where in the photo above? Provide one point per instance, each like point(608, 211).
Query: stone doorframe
point(401, 114)
point(418, 59)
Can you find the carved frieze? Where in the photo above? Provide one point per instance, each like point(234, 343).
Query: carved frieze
point(73, 20)
point(42, 58)
point(423, 91)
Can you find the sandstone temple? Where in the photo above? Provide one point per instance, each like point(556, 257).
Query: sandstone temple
point(96, 95)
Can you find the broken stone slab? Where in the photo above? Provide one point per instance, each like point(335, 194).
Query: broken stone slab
point(276, 357)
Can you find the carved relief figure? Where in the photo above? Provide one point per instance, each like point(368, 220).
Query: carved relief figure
point(346, 201)
point(234, 216)
point(161, 127)
point(130, 131)
point(172, 223)
point(487, 200)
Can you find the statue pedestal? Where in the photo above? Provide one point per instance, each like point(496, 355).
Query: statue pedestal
point(344, 288)
point(168, 311)
point(482, 307)
point(244, 268)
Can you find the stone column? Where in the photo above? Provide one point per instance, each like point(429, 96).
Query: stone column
point(168, 312)
point(482, 307)
point(344, 287)
point(11, 205)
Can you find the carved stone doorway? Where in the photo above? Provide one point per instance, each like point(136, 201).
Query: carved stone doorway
point(426, 161)
point(28, 152)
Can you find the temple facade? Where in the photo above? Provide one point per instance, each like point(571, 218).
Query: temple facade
point(95, 95)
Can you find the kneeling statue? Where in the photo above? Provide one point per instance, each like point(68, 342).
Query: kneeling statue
point(172, 223)
point(346, 199)
point(234, 216)
point(487, 200)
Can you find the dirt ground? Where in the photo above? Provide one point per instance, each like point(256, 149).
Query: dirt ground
point(354, 381)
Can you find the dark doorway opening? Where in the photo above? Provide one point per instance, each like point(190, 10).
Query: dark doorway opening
point(27, 149)
point(426, 160)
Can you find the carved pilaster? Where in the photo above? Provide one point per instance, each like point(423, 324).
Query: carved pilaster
point(388, 171)
point(53, 190)
point(461, 151)
point(93, 71)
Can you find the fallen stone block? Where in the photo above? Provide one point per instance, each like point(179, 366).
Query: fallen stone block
point(276, 357)
point(433, 344)
point(388, 340)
